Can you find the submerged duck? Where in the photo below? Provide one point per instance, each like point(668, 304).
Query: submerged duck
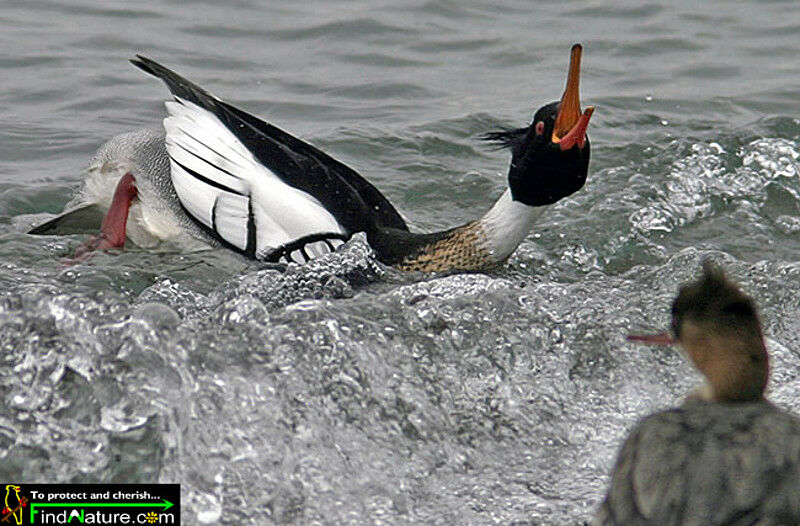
point(726, 456)
point(223, 177)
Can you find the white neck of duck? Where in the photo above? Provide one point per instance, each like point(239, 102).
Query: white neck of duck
point(506, 225)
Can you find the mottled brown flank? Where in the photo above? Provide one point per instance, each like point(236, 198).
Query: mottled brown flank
point(463, 249)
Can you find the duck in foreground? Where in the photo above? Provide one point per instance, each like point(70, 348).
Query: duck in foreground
point(227, 178)
point(726, 456)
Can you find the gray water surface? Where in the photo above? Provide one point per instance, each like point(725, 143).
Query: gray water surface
point(343, 392)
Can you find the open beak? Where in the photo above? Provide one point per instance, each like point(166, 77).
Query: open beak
point(662, 338)
point(571, 124)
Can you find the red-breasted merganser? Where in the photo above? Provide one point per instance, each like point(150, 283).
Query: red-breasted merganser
point(726, 456)
point(246, 185)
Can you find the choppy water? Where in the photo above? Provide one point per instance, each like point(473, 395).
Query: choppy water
point(343, 392)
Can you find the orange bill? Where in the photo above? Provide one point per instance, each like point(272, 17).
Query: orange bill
point(571, 123)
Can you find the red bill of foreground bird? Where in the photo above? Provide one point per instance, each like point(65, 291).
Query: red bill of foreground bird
point(224, 177)
point(726, 456)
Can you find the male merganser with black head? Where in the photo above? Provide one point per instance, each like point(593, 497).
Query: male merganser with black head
point(726, 456)
point(253, 188)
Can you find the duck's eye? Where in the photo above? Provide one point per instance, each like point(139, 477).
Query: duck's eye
point(539, 128)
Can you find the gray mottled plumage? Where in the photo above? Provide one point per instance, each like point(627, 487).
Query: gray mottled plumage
point(708, 463)
point(156, 215)
point(142, 152)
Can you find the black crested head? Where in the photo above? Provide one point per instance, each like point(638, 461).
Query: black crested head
point(540, 172)
point(714, 300)
point(550, 158)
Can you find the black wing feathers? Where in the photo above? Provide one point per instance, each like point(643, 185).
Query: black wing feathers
point(355, 203)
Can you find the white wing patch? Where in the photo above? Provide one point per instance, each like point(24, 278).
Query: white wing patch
point(198, 199)
point(223, 186)
point(231, 213)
